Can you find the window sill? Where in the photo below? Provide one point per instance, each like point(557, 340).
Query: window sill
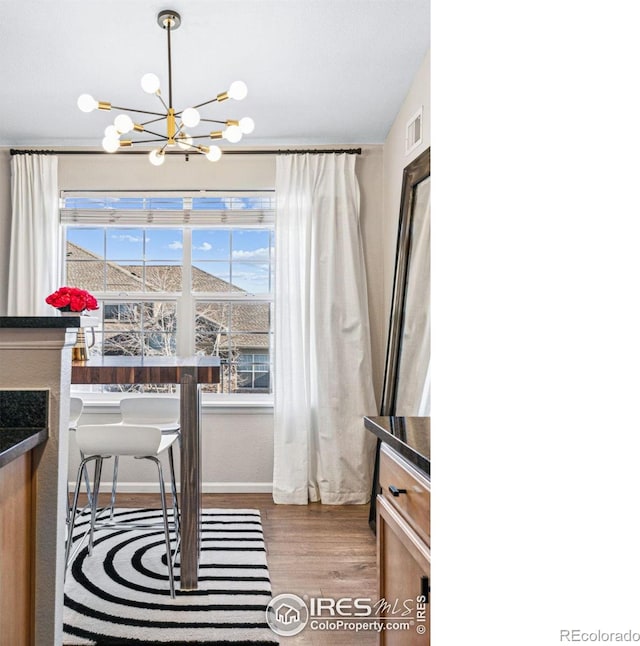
point(110, 402)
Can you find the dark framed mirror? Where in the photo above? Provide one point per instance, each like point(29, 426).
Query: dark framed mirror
point(406, 384)
point(406, 376)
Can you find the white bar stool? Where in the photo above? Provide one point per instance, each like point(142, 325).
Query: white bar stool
point(98, 442)
point(163, 412)
point(76, 405)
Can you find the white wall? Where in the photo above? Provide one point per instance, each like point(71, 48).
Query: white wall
point(395, 160)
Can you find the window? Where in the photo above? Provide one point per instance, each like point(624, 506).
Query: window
point(178, 275)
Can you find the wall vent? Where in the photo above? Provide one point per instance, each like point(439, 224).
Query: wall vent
point(413, 136)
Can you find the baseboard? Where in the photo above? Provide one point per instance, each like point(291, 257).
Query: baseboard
point(237, 487)
point(207, 487)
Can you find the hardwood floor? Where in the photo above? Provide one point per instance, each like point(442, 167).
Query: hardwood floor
point(314, 550)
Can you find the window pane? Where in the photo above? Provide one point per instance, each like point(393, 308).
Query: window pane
point(239, 333)
point(125, 244)
point(122, 343)
point(159, 344)
point(147, 328)
point(210, 203)
point(164, 203)
point(163, 277)
point(159, 315)
point(211, 244)
point(90, 242)
point(163, 244)
point(122, 316)
point(212, 277)
point(252, 259)
point(212, 344)
point(250, 244)
point(251, 317)
point(254, 278)
point(124, 277)
point(213, 317)
point(89, 275)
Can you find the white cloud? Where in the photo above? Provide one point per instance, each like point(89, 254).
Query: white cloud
point(126, 237)
point(255, 254)
point(176, 244)
point(205, 246)
point(250, 276)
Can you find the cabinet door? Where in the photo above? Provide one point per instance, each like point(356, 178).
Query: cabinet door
point(415, 503)
point(15, 552)
point(403, 578)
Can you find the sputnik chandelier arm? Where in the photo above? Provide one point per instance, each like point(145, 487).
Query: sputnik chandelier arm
point(178, 124)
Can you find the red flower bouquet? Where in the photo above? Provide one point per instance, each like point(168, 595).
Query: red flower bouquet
point(72, 299)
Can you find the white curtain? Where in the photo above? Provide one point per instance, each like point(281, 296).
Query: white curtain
point(34, 260)
point(323, 380)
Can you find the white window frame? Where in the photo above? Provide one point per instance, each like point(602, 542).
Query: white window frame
point(187, 299)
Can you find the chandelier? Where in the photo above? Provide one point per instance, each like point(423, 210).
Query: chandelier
point(178, 125)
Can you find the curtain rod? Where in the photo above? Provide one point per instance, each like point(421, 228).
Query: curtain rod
point(266, 151)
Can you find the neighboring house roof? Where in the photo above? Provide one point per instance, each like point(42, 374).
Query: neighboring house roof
point(249, 322)
point(87, 270)
point(168, 278)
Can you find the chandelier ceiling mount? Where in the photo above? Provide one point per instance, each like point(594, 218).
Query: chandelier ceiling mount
point(178, 124)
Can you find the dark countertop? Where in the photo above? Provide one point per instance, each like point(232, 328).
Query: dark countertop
point(14, 442)
point(23, 422)
point(39, 321)
point(409, 436)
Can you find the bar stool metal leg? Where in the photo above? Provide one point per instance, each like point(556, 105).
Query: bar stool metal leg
point(174, 492)
point(94, 503)
point(167, 535)
point(114, 485)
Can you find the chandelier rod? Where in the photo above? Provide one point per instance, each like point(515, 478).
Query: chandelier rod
point(199, 105)
point(146, 123)
point(168, 25)
point(149, 141)
point(155, 114)
point(164, 105)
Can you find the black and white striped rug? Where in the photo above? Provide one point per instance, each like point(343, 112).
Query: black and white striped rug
point(120, 595)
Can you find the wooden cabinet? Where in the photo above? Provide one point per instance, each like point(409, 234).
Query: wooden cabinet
point(404, 558)
point(16, 552)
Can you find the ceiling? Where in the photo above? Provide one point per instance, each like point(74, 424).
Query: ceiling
point(318, 71)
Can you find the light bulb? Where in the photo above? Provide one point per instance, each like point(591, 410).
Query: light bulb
point(190, 117)
point(214, 153)
point(111, 132)
point(87, 103)
point(232, 134)
point(247, 125)
point(237, 90)
point(150, 83)
point(184, 141)
point(156, 157)
point(123, 123)
point(110, 144)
